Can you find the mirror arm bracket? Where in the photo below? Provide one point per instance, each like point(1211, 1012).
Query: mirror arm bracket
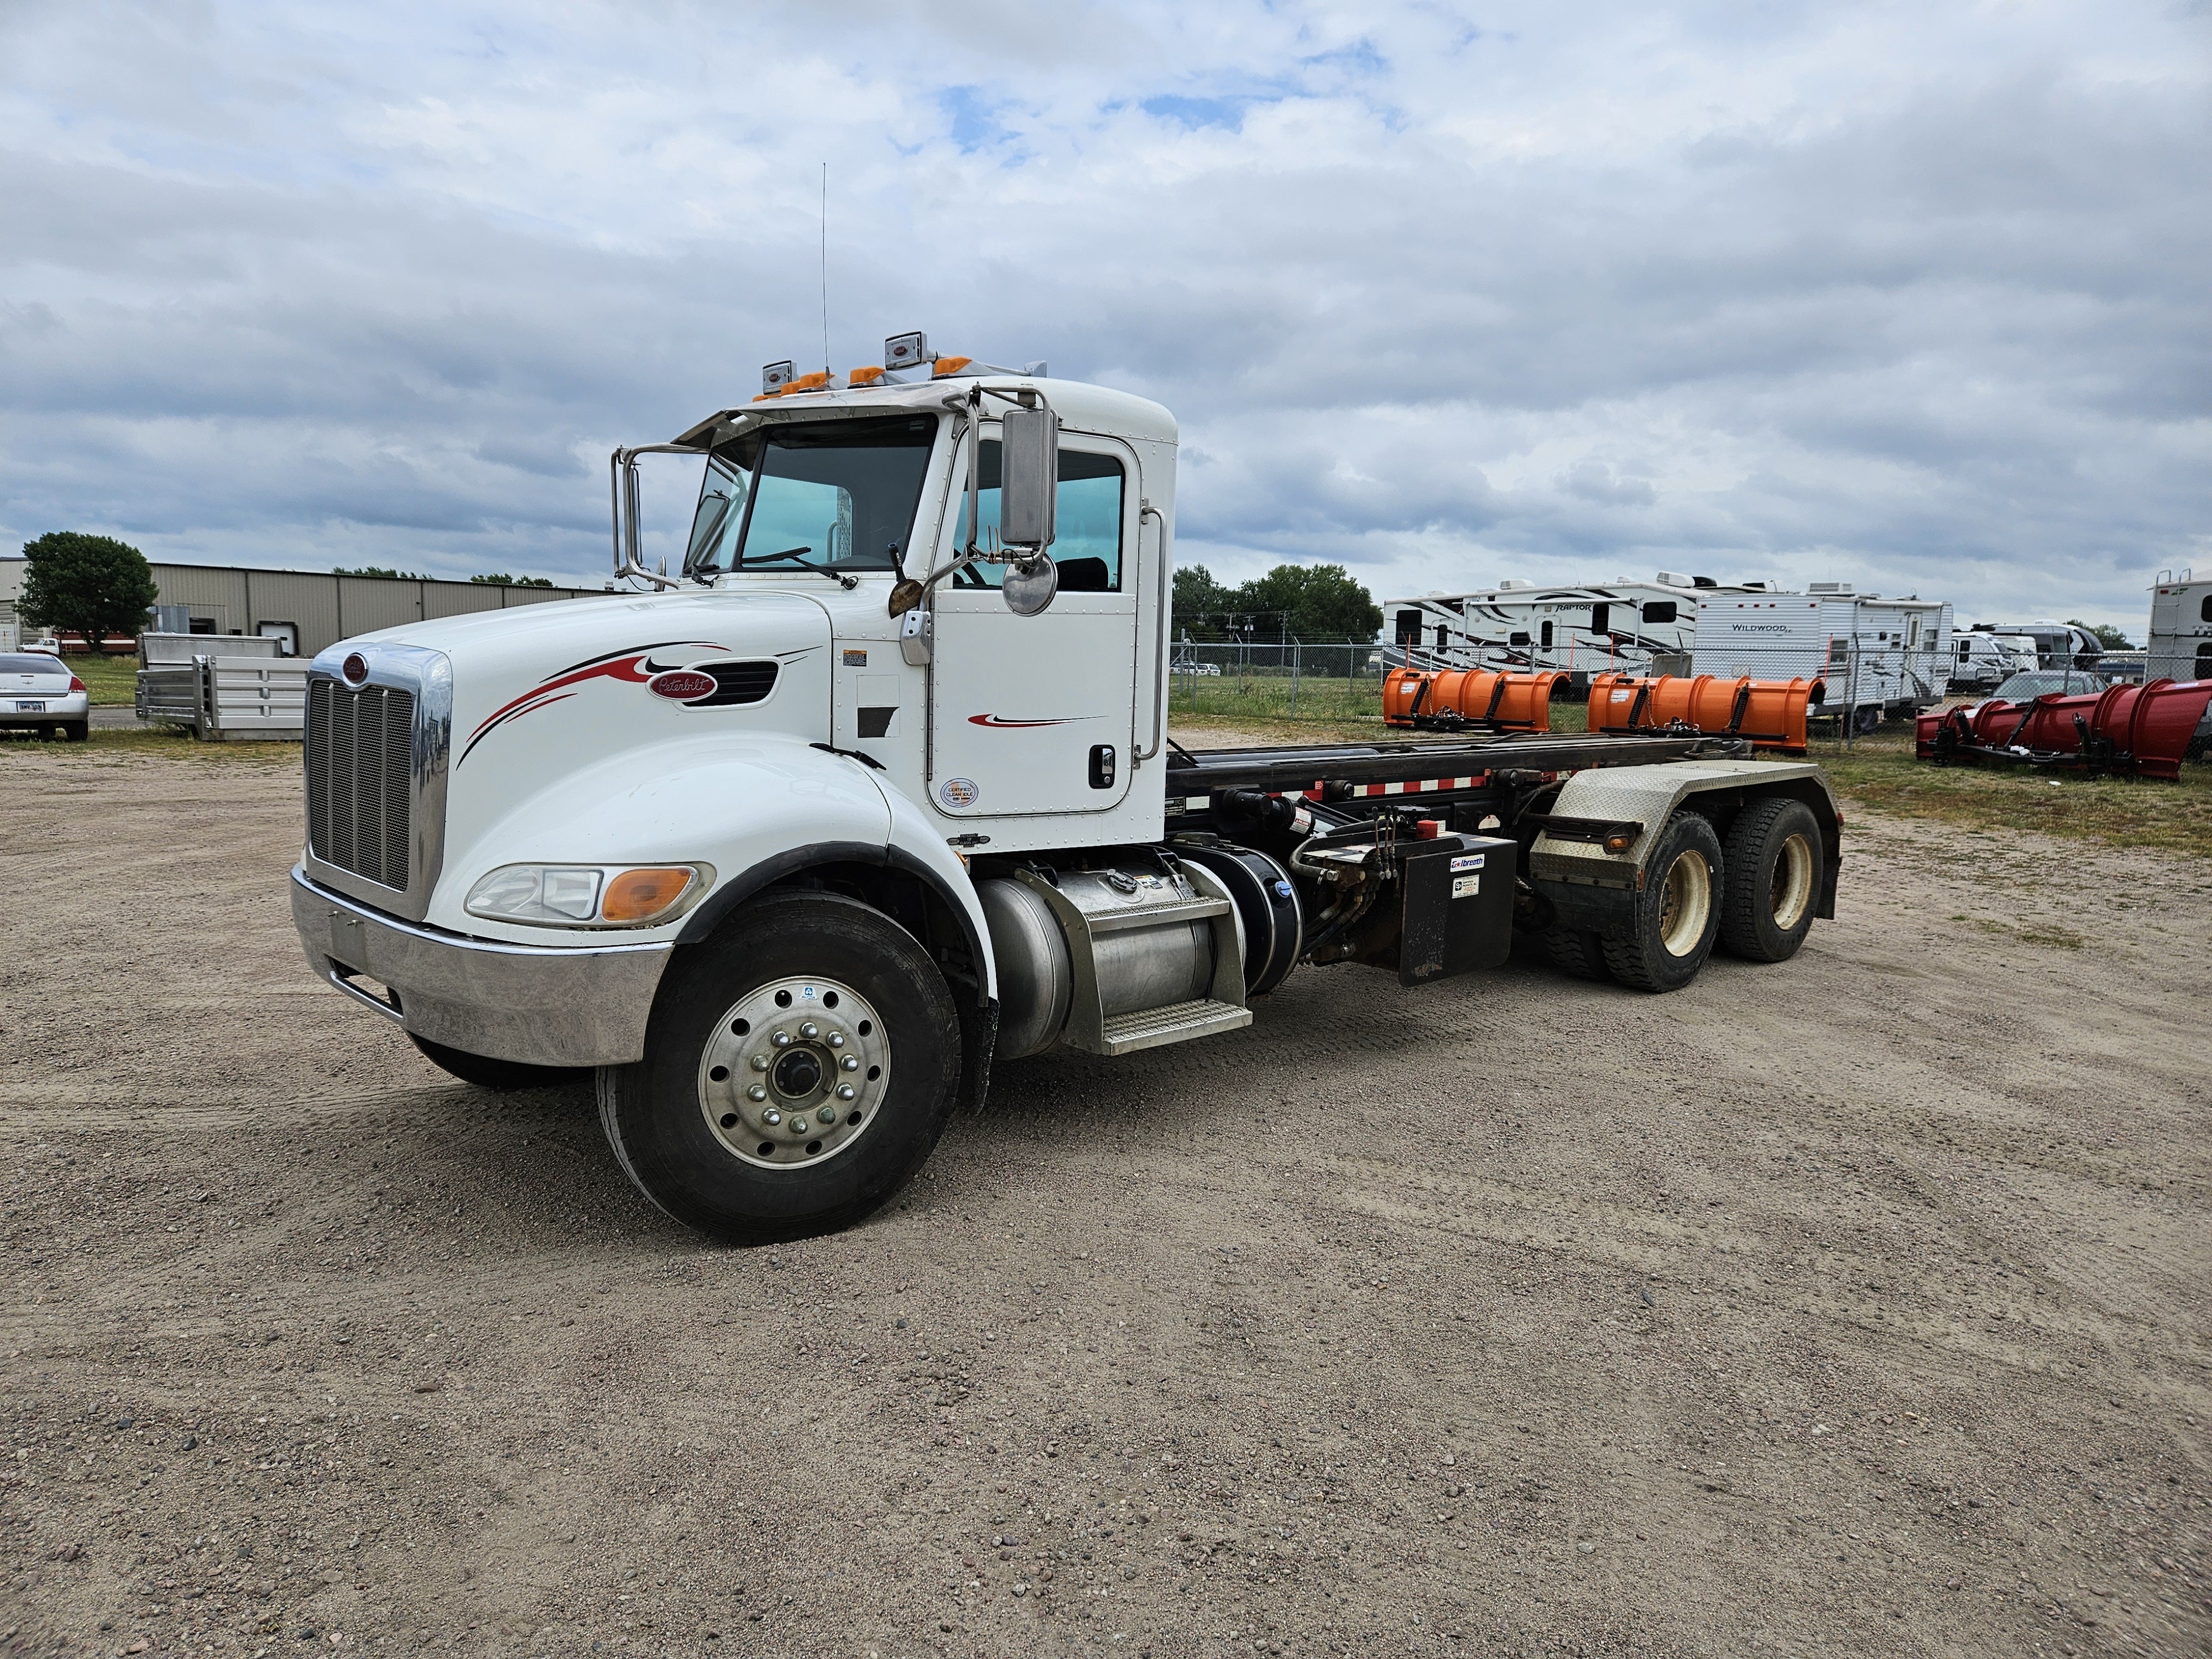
point(621, 484)
point(969, 406)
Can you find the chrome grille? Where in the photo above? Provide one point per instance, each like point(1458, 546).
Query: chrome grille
point(360, 748)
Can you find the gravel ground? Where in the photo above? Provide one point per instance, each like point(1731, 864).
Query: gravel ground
point(1856, 1305)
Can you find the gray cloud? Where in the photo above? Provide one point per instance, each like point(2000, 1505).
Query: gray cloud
point(1441, 295)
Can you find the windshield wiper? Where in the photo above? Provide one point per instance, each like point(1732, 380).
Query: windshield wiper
point(793, 553)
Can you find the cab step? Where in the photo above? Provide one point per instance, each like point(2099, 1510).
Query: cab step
point(1178, 1022)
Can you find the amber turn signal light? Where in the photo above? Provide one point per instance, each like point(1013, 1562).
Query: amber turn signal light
point(639, 895)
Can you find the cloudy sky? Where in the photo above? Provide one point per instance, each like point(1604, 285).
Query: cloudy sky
point(1911, 295)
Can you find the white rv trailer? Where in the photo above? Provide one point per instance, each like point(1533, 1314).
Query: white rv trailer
point(1873, 656)
point(1627, 625)
point(2180, 645)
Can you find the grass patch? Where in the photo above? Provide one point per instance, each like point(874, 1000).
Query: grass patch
point(1880, 774)
point(111, 680)
point(173, 741)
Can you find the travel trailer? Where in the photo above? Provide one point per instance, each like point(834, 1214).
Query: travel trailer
point(1621, 626)
point(1874, 657)
point(2179, 646)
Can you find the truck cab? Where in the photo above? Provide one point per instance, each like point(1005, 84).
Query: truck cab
point(786, 847)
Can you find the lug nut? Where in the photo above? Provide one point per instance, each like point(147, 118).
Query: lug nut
point(810, 1029)
point(845, 1091)
point(758, 1091)
point(760, 1062)
point(826, 1115)
point(781, 1039)
point(851, 1062)
point(836, 1039)
point(771, 1116)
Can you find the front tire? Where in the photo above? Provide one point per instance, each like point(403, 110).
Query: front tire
point(1677, 912)
point(798, 1068)
point(1773, 862)
point(504, 1075)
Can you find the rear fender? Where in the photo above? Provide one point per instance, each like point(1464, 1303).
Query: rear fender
point(1592, 888)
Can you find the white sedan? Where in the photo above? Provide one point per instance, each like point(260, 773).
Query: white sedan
point(36, 691)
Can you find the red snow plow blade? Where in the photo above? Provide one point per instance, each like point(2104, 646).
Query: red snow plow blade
point(2146, 730)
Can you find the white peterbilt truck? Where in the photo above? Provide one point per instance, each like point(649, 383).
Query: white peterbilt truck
point(876, 788)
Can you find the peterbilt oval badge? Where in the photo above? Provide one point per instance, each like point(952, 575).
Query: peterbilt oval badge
point(680, 684)
point(355, 668)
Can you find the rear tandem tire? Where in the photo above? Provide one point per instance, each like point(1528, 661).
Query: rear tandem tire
point(1774, 862)
point(1677, 912)
point(504, 1075)
point(1575, 950)
point(782, 998)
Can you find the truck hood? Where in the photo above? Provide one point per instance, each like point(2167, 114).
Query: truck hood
point(545, 691)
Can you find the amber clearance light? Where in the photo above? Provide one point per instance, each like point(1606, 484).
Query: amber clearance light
point(639, 896)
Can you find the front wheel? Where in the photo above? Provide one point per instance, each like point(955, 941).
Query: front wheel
point(1677, 913)
point(798, 1070)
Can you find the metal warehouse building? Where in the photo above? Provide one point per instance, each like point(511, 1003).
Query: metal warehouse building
point(309, 610)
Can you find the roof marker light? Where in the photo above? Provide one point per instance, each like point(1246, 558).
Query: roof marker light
point(861, 376)
point(947, 367)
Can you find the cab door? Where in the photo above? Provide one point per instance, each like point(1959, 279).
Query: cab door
point(1034, 714)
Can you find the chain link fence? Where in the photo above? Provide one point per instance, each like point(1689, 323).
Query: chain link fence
point(1297, 681)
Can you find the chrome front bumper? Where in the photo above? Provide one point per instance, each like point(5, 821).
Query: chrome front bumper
point(539, 1005)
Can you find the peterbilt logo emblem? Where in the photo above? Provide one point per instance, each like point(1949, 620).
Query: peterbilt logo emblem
point(682, 684)
point(355, 668)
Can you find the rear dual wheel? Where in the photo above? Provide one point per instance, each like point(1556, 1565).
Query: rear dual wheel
point(1774, 863)
point(798, 1070)
point(1677, 914)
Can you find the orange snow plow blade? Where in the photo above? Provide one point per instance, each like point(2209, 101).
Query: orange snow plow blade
point(1452, 698)
point(2147, 730)
point(1769, 713)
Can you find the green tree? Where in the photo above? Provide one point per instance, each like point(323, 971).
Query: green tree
point(2107, 636)
point(1321, 600)
point(501, 579)
point(380, 570)
point(1199, 602)
point(93, 585)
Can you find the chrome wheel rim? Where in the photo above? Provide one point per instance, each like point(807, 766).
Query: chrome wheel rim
point(1686, 903)
point(1792, 892)
point(794, 1073)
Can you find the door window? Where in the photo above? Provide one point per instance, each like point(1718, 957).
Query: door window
point(1087, 527)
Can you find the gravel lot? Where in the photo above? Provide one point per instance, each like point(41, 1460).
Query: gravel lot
point(1856, 1305)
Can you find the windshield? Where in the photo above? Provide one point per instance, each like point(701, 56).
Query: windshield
point(840, 494)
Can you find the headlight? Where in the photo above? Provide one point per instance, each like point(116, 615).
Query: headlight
point(589, 894)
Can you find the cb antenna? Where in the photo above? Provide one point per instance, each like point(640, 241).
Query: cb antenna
point(825, 267)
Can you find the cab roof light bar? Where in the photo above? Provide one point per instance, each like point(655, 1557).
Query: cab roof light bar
point(903, 355)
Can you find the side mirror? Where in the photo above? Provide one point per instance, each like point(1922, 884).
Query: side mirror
point(1028, 478)
point(1030, 584)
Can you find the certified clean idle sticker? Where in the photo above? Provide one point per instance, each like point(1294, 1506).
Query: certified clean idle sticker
point(957, 792)
point(1465, 886)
